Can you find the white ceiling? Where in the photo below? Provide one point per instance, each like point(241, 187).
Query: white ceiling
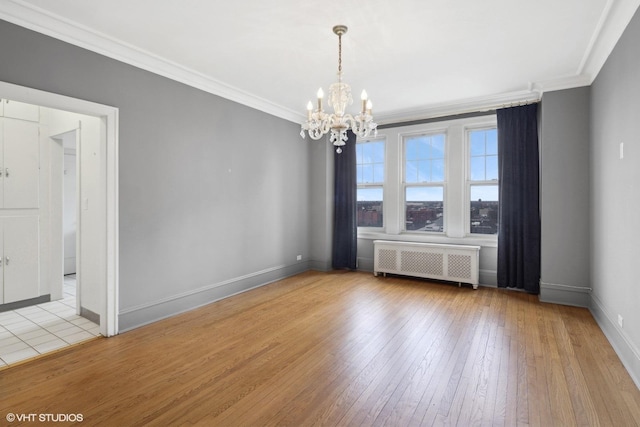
point(415, 58)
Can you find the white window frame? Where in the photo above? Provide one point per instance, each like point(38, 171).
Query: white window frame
point(381, 185)
point(405, 185)
point(455, 187)
point(469, 183)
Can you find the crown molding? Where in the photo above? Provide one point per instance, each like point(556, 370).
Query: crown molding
point(58, 27)
point(475, 105)
point(615, 17)
point(561, 83)
point(485, 103)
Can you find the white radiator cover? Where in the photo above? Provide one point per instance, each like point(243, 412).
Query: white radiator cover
point(455, 263)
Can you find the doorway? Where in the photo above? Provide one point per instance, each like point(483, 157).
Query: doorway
point(100, 206)
point(68, 143)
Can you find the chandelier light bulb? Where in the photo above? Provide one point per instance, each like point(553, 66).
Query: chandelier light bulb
point(320, 96)
point(309, 110)
point(363, 97)
point(319, 123)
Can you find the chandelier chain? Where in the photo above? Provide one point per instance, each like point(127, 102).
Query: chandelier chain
point(340, 57)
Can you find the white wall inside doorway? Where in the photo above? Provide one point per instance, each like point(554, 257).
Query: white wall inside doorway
point(102, 197)
point(69, 206)
point(83, 132)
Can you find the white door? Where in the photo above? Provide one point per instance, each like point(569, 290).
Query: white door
point(21, 164)
point(21, 262)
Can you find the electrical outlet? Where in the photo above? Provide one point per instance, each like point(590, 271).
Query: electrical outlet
point(620, 320)
point(299, 258)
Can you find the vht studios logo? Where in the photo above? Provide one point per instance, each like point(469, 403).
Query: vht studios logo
point(44, 418)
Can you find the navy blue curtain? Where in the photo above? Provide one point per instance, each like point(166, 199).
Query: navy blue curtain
point(345, 227)
point(519, 216)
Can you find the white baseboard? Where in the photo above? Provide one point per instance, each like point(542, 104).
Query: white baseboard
point(143, 314)
point(622, 345)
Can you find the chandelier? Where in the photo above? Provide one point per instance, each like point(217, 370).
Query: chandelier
point(320, 123)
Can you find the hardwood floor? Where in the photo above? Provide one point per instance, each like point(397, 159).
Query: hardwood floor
point(341, 349)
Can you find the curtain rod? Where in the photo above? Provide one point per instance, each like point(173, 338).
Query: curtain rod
point(462, 114)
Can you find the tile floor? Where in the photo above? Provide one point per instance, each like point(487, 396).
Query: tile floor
point(30, 331)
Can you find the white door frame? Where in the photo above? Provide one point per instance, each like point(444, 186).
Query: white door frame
point(109, 316)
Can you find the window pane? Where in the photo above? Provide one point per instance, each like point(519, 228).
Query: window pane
point(424, 209)
point(477, 169)
point(492, 167)
point(367, 153)
point(492, 142)
point(378, 172)
point(377, 152)
point(437, 170)
point(424, 158)
point(367, 173)
point(412, 149)
point(369, 205)
point(437, 146)
point(370, 170)
point(477, 143)
point(424, 171)
point(484, 209)
point(423, 148)
point(370, 162)
point(411, 172)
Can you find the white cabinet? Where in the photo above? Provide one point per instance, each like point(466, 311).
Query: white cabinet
point(19, 164)
point(19, 201)
point(19, 249)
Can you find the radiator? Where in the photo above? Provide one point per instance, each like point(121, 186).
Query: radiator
point(455, 263)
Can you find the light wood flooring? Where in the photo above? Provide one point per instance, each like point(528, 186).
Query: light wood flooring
point(341, 349)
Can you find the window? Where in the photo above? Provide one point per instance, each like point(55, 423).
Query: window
point(424, 178)
point(370, 180)
point(483, 181)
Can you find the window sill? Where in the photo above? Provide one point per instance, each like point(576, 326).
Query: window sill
point(484, 241)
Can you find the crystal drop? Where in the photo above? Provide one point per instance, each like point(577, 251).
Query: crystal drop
point(339, 150)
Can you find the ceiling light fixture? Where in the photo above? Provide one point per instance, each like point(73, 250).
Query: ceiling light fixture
point(320, 123)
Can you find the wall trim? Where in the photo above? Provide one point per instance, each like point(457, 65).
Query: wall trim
point(323, 266)
point(614, 19)
point(34, 18)
point(90, 315)
point(555, 293)
point(625, 349)
point(488, 278)
point(143, 314)
point(25, 303)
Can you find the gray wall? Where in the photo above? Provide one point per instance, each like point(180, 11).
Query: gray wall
point(211, 192)
point(615, 206)
point(564, 197)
